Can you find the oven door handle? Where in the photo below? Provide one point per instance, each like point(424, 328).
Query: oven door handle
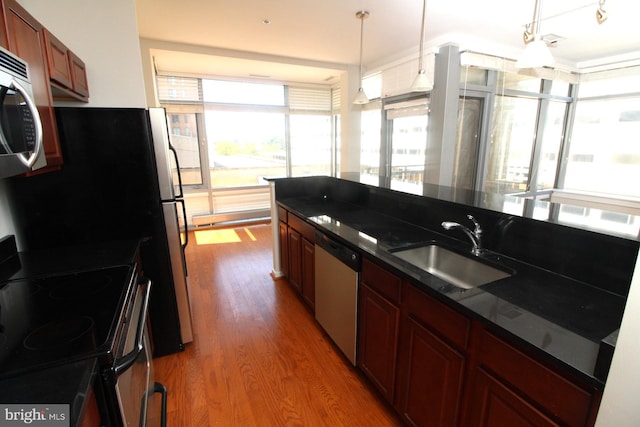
point(123, 363)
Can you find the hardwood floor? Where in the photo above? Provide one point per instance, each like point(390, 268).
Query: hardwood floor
point(258, 357)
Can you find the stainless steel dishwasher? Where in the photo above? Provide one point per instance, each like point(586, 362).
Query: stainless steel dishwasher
point(337, 273)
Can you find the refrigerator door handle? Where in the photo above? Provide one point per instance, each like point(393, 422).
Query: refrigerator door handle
point(175, 157)
point(186, 226)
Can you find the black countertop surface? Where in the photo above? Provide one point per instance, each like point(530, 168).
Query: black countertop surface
point(561, 319)
point(66, 383)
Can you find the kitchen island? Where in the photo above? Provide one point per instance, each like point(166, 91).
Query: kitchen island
point(561, 306)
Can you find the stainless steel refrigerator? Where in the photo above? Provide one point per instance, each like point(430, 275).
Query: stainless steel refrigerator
point(171, 196)
point(114, 185)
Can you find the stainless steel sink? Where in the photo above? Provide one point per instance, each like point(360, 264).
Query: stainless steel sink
point(459, 270)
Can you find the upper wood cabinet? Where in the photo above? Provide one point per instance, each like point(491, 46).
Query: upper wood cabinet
point(67, 71)
point(26, 39)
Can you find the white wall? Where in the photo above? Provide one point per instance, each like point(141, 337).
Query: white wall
point(620, 406)
point(105, 35)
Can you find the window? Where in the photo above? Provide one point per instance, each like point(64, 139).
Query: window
point(511, 144)
point(407, 122)
point(239, 133)
point(604, 151)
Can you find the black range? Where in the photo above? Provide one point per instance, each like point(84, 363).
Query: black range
point(57, 319)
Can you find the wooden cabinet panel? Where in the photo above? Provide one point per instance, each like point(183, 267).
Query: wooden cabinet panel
point(382, 281)
point(295, 259)
point(4, 42)
point(562, 399)
point(57, 59)
point(25, 37)
point(302, 227)
point(284, 248)
point(308, 273)
point(80, 84)
point(434, 374)
point(495, 405)
point(448, 323)
point(379, 321)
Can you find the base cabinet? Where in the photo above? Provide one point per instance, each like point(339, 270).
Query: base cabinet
point(297, 254)
point(510, 388)
point(494, 404)
point(378, 325)
point(432, 361)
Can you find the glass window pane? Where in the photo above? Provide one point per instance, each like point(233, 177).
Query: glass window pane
point(519, 82)
point(242, 93)
point(310, 137)
point(560, 88)
point(240, 154)
point(371, 122)
point(604, 155)
point(183, 133)
point(610, 86)
point(551, 142)
point(473, 76)
point(511, 145)
point(408, 149)
point(468, 135)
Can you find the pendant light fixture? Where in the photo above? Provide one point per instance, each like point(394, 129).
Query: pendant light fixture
point(361, 97)
point(536, 53)
point(601, 14)
point(422, 83)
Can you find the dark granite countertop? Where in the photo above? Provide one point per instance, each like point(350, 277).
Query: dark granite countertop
point(561, 319)
point(66, 384)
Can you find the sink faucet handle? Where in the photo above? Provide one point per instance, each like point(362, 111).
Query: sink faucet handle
point(478, 229)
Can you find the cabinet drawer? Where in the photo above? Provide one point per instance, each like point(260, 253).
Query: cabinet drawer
point(307, 230)
point(282, 214)
point(561, 398)
point(448, 323)
point(381, 281)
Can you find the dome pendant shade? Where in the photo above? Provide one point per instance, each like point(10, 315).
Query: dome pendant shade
point(361, 97)
point(422, 83)
point(536, 54)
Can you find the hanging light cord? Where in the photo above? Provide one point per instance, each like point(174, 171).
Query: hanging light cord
point(361, 15)
point(424, 15)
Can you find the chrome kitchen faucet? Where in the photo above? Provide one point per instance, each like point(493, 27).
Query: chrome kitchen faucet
point(474, 235)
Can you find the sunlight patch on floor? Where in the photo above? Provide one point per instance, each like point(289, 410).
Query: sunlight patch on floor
point(212, 237)
point(250, 234)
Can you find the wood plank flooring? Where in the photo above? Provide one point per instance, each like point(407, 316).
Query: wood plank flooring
point(258, 358)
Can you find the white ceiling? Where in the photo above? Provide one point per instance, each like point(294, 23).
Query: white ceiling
point(311, 40)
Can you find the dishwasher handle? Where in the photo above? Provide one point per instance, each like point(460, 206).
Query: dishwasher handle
point(343, 253)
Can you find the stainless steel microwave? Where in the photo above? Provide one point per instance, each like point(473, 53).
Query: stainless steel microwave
point(21, 147)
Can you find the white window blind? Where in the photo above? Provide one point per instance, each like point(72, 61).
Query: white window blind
point(309, 99)
point(415, 107)
point(172, 88)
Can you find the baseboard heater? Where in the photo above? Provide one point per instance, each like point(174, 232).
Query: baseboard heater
point(209, 220)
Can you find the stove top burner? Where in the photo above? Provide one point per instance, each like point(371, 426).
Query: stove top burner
point(48, 320)
point(60, 332)
point(77, 286)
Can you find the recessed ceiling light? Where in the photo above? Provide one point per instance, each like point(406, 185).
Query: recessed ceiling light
point(266, 21)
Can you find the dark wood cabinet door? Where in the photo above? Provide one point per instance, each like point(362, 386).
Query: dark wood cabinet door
point(493, 404)
point(26, 39)
point(378, 340)
point(295, 259)
point(308, 273)
point(80, 84)
point(433, 372)
point(284, 248)
point(57, 59)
